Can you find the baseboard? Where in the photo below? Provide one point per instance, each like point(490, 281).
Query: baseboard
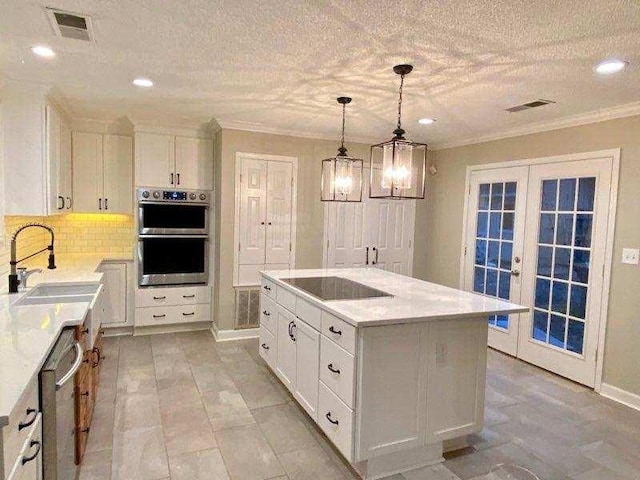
point(118, 331)
point(172, 328)
point(621, 396)
point(229, 335)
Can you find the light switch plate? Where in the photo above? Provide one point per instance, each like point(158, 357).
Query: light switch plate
point(631, 256)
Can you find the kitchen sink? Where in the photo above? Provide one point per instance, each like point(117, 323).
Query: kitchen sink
point(48, 294)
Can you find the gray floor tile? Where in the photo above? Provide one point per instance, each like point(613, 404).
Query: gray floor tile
point(226, 409)
point(284, 428)
point(310, 463)
point(96, 465)
point(137, 410)
point(247, 454)
point(202, 465)
point(186, 428)
point(435, 472)
point(139, 454)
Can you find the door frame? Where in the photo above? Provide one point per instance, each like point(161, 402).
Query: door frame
point(614, 155)
point(236, 216)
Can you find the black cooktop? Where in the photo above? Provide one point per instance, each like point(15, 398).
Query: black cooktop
point(335, 288)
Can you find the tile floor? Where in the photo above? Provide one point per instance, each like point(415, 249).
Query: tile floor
point(182, 407)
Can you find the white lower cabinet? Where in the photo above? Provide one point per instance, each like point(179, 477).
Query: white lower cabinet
point(268, 347)
point(28, 465)
point(336, 421)
point(172, 305)
point(307, 342)
point(116, 294)
point(286, 355)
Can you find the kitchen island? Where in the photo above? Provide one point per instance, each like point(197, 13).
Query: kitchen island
point(391, 368)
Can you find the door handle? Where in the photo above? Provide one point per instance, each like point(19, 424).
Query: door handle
point(76, 366)
point(106, 204)
point(172, 179)
point(178, 178)
point(515, 273)
point(367, 262)
point(375, 250)
point(60, 198)
point(99, 204)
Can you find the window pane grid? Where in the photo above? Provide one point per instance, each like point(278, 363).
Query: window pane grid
point(564, 254)
point(494, 243)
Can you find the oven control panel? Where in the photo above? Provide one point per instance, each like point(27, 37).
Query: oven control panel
point(173, 196)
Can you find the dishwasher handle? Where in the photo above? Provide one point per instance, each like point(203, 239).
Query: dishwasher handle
point(72, 371)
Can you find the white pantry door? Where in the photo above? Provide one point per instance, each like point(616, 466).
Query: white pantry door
point(279, 212)
point(567, 219)
point(253, 208)
point(495, 244)
point(374, 232)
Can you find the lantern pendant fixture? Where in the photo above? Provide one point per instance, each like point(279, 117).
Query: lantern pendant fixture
point(341, 174)
point(398, 166)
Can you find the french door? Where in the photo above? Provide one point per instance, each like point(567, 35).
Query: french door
point(374, 232)
point(537, 235)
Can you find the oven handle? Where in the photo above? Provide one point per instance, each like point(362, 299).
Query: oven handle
point(151, 202)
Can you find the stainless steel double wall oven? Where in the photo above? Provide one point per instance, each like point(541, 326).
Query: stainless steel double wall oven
point(173, 236)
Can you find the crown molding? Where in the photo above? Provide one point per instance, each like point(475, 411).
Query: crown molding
point(252, 127)
point(594, 116)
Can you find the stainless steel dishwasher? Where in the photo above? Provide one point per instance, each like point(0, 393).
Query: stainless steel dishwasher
point(57, 402)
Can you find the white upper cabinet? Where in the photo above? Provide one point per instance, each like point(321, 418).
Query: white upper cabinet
point(36, 154)
point(265, 215)
point(102, 173)
point(174, 161)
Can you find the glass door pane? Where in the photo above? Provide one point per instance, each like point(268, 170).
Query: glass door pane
point(493, 251)
point(563, 262)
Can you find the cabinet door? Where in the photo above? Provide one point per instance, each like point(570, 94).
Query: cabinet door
point(87, 172)
point(194, 163)
point(286, 358)
point(279, 214)
point(115, 281)
point(155, 160)
point(65, 171)
point(55, 198)
point(307, 358)
point(253, 196)
point(118, 174)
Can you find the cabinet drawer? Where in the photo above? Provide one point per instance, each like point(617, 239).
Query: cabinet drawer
point(339, 331)
point(155, 297)
point(287, 299)
point(308, 313)
point(337, 368)
point(31, 452)
point(172, 314)
point(20, 422)
point(268, 313)
point(336, 421)
point(268, 287)
point(268, 347)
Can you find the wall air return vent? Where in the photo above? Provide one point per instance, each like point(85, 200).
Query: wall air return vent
point(71, 25)
point(528, 106)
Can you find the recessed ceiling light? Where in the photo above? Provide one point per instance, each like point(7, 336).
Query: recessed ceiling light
point(426, 121)
point(611, 66)
point(43, 51)
point(143, 82)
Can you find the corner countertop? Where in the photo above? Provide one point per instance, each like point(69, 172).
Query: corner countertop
point(413, 300)
point(28, 333)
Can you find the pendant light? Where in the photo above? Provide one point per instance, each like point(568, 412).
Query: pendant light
point(398, 165)
point(342, 175)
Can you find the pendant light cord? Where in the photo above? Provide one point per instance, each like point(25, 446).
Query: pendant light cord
point(400, 101)
point(344, 108)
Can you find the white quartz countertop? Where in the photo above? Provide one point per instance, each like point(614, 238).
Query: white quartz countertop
point(413, 300)
point(28, 333)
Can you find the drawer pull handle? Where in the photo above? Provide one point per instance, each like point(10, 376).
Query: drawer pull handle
point(332, 369)
point(85, 394)
point(160, 298)
point(333, 330)
point(159, 316)
point(34, 443)
point(328, 415)
point(265, 346)
point(84, 331)
point(267, 287)
point(188, 314)
point(188, 296)
point(84, 430)
point(266, 313)
point(28, 421)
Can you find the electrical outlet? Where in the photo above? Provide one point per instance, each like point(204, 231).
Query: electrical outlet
point(631, 256)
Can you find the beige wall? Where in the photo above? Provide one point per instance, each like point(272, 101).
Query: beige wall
point(310, 212)
point(439, 224)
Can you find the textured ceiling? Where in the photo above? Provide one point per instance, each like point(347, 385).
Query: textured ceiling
point(279, 64)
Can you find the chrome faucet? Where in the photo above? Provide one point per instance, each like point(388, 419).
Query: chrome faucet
point(16, 279)
point(23, 276)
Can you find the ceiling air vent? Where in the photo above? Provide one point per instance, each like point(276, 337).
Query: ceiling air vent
point(71, 25)
point(527, 106)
